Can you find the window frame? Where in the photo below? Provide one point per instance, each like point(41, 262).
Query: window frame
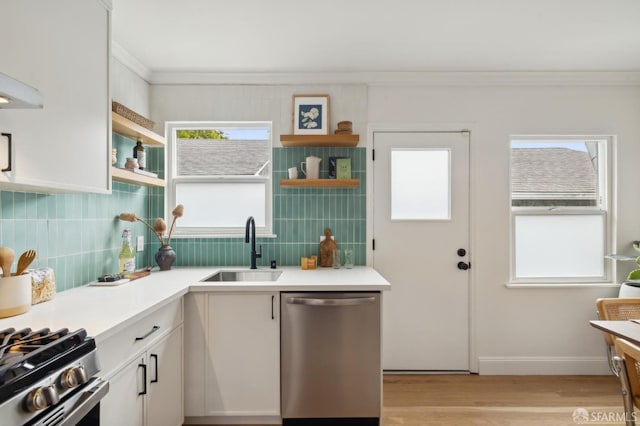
point(171, 180)
point(605, 205)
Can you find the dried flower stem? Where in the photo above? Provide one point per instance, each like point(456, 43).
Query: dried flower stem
point(173, 222)
point(150, 227)
point(177, 212)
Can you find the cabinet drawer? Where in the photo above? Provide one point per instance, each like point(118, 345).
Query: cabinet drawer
point(135, 337)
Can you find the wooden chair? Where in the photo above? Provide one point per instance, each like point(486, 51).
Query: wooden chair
point(615, 309)
point(627, 361)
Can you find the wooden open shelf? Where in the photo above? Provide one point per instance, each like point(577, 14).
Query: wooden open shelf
point(319, 140)
point(131, 130)
point(319, 183)
point(122, 175)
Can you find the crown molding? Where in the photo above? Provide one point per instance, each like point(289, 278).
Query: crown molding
point(455, 78)
point(426, 78)
point(130, 61)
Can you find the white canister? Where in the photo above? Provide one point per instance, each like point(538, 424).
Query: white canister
point(15, 295)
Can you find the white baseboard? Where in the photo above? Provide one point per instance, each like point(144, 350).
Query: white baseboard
point(520, 366)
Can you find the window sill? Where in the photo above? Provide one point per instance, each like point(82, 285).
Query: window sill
point(520, 285)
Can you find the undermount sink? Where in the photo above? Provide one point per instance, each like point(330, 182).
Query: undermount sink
point(232, 276)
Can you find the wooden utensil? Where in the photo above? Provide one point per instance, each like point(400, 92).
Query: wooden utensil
point(7, 256)
point(25, 260)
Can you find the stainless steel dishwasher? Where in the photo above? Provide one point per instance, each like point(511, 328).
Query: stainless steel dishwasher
point(330, 358)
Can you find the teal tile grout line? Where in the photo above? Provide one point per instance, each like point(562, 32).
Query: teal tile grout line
point(78, 235)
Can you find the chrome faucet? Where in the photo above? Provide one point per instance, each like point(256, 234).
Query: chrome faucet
point(252, 232)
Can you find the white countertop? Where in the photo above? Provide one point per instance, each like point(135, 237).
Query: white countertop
point(99, 310)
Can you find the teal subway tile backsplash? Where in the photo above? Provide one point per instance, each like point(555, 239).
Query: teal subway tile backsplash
point(79, 235)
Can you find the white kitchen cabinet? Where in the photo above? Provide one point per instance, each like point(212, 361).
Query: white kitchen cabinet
point(148, 391)
point(62, 48)
point(123, 404)
point(235, 369)
point(164, 381)
point(143, 363)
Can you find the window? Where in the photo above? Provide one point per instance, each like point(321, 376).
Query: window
point(412, 200)
point(221, 173)
point(560, 209)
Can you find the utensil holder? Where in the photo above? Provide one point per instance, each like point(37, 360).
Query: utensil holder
point(15, 295)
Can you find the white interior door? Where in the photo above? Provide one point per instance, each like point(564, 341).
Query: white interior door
point(421, 232)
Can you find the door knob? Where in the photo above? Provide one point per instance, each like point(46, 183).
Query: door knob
point(462, 252)
point(463, 266)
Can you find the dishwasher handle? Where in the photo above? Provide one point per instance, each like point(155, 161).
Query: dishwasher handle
point(312, 301)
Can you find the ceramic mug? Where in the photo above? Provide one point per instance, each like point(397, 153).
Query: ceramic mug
point(293, 173)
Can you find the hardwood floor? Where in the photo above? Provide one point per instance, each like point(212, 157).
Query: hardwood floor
point(461, 400)
point(422, 400)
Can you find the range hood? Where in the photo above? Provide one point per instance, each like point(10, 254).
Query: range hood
point(15, 94)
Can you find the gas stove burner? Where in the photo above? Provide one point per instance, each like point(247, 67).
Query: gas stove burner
point(26, 356)
point(25, 341)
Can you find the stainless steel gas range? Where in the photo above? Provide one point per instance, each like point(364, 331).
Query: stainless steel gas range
point(48, 378)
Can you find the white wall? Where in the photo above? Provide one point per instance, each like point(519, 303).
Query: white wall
point(254, 102)
point(129, 89)
point(521, 331)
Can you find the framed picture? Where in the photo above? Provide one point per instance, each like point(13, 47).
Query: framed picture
point(310, 114)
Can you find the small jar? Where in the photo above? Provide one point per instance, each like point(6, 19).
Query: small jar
point(132, 163)
point(348, 258)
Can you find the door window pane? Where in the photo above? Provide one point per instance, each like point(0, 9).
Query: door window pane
point(559, 246)
point(420, 184)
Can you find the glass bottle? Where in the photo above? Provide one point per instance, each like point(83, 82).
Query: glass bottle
point(127, 258)
point(140, 154)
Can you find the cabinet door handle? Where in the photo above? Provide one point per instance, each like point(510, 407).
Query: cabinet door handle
point(273, 301)
point(153, 330)
point(144, 379)
point(155, 362)
point(8, 136)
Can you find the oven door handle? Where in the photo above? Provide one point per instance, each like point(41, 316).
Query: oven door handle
point(86, 401)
